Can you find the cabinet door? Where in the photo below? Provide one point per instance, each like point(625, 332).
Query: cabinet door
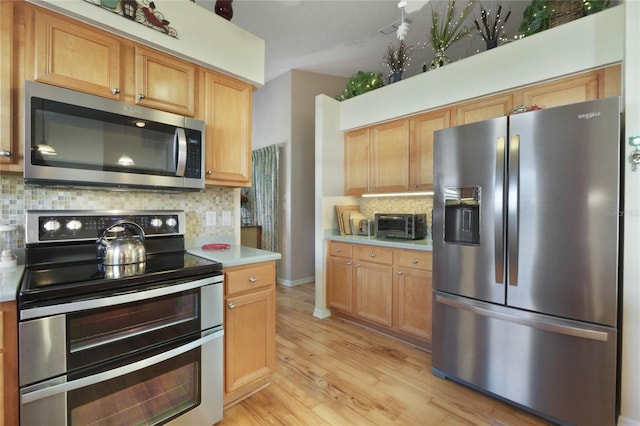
point(73, 55)
point(581, 88)
point(390, 156)
point(356, 162)
point(374, 292)
point(421, 147)
point(412, 296)
point(249, 338)
point(164, 82)
point(483, 109)
point(339, 283)
point(11, 156)
point(9, 400)
point(227, 113)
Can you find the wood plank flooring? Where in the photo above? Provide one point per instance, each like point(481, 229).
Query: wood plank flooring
point(332, 372)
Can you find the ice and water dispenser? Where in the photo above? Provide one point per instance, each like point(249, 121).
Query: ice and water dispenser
point(462, 215)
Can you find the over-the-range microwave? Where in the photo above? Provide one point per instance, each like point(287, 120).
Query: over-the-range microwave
point(73, 138)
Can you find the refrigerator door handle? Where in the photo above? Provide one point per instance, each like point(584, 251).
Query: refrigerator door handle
point(498, 208)
point(547, 325)
point(513, 203)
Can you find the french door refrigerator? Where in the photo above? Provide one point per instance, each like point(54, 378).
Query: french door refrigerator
point(526, 255)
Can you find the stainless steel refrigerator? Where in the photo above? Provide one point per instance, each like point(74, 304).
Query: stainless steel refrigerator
point(526, 230)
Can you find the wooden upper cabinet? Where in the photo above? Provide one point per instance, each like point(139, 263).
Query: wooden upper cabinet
point(356, 162)
point(74, 55)
point(390, 156)
point(422, 127)
point(483, 109)
point(11, 155)
point(579, 88)
point(164, 82)
point(227, 112)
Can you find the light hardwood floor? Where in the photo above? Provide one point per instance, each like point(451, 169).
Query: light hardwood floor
point(332, 372)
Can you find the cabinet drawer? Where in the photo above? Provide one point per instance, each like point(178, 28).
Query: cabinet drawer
point(249, 278)
point(373, 253)
point(339, 249)
point(414, 259)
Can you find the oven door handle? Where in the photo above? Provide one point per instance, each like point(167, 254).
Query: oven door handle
point(63, 308)
point(31, 396)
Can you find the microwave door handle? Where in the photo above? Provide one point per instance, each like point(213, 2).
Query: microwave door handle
point(180, 144)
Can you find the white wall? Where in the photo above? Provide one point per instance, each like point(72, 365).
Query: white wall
point(284, 113)
point(590, 42)
point(203, 37)
point(630, 377)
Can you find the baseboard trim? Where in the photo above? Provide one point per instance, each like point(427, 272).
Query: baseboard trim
point(321, 313)
point(289, 283)
point(626, 421)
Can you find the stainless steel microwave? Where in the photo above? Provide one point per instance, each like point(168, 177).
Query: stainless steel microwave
point(72, 138)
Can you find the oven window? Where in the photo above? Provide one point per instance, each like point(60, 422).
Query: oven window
point(152, 395)
point(101, 334)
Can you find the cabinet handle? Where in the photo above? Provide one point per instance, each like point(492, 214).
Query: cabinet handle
point(252, 279)
point(115, 91)
point(5, 153)
point(232, 305)
point(349, 263)
point(415, 185)
point(140, 96)
point(372, 255)
point(357, 265)
point(338, 250)
point(414, 261)
point(209, 172)
point(400, 273)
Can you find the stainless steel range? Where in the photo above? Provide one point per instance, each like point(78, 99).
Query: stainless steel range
point(117, 324)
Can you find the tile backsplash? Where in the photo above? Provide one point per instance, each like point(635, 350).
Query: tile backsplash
point(370, 206)
point(17, 198)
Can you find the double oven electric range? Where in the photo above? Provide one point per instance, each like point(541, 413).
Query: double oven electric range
point(102, 344)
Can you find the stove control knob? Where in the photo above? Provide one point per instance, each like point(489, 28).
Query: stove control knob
point(171, 222)
point(156, 223)
point(51, 225)
point(74, 225)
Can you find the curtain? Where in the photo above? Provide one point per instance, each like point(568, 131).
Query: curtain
point(261, 200)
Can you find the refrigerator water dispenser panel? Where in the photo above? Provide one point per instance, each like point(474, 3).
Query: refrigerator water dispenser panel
point(462, 215)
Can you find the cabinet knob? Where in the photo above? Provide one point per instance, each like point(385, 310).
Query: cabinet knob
point(338, 250)
point(4, 153)
point(415, 185)
point(115, 91)
point(209, 172)
point(414, 261)
point(140, 96)
point(232, 305)
point(400, 273)
point(357, 265)
point(252, 279)
point(372, 255)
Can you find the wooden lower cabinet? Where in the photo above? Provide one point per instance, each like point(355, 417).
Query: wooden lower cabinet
point(388, 289)
point(412, 289)
point(8, 364)
point(250, 326)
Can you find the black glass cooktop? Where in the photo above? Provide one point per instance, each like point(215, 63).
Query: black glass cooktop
point(44, 284)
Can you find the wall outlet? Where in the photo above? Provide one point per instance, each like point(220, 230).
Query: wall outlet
point(211, 218)
point(226, 218)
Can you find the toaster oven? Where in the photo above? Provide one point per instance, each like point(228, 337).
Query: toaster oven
point(406, 226)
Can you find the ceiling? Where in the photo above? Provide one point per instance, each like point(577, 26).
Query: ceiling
point(343, 37)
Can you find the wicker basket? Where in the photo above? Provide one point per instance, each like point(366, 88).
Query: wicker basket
point(565, 11)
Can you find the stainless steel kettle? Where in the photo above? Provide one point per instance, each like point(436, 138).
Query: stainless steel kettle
point(122, 250)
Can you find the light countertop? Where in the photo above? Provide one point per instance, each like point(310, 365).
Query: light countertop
point(10, 279)
point(425, 244)
point(235, 255)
